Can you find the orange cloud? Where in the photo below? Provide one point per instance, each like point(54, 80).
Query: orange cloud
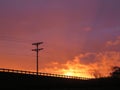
point(113, 43)
point(80, 66)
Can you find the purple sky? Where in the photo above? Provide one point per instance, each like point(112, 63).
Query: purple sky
point(68, 28)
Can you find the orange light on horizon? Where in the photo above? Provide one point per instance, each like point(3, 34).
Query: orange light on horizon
point(101, 67)
point(77, 74)
point(79, 67)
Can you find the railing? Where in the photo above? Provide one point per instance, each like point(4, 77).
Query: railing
point(42, 74)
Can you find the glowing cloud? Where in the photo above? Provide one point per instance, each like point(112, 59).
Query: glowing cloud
point(79, 66)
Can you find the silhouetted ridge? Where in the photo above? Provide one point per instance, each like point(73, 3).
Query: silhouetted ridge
point(15, 79)
point(41, 74)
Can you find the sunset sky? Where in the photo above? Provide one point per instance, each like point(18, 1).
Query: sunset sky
point(80, 36)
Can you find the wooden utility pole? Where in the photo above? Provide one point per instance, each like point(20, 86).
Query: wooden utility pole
point(37, 50)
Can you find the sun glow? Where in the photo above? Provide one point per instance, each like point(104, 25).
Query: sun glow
point(100, 67)
point(68, 73)
point(76, 73)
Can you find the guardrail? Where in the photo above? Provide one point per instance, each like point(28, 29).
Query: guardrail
point(42, 74)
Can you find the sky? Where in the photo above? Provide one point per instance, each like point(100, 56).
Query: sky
point(80, 36)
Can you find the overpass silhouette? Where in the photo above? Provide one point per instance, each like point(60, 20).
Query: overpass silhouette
point(19, 79)
point(42, 74)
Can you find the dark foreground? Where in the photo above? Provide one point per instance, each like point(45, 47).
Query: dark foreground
point(33, 82)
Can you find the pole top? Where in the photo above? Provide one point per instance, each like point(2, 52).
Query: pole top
point(37, 43)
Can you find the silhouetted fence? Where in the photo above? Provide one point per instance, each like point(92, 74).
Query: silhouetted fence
point(42, 74)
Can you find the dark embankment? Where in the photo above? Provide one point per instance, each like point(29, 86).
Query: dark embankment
point(33, 82)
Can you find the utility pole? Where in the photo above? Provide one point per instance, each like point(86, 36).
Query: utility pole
point(37, 50)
